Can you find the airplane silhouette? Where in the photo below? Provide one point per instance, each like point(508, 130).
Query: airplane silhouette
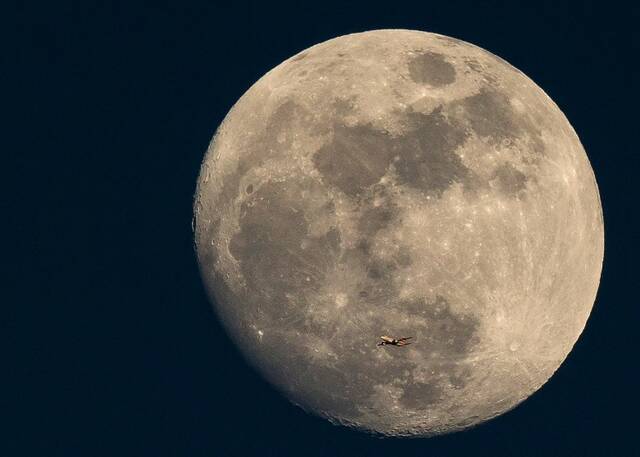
point(393, 341)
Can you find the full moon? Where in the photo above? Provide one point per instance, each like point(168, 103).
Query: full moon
point(409, 184)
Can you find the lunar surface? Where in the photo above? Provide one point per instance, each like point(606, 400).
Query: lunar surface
point(400, 183)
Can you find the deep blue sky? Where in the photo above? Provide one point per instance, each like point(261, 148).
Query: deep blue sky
point(114, 349)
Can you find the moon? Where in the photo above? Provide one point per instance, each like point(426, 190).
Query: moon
point(401, 183)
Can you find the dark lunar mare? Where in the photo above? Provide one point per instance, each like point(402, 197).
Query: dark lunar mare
point(431, 68)
point(283, 265)
point(425, 156)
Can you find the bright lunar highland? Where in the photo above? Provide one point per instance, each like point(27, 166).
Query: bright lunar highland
point(400, 183)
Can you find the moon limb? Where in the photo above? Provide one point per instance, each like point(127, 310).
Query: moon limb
point(409, 183)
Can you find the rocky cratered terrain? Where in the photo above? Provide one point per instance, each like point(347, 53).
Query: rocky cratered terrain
point(403, 183)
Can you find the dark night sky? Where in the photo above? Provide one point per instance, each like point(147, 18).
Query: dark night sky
point(114, 349)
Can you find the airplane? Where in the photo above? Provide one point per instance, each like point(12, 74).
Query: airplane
point(393, 341)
